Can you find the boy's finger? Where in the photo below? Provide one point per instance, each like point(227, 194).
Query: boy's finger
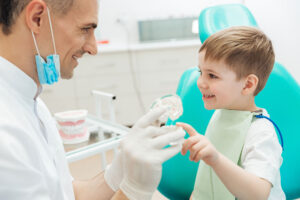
point(188, 128)
point(184, 147)
point(188, 144)
point(198, 157)
point(203, 155)
point(197, 148)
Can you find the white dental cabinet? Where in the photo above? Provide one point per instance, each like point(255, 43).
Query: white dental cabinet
point(154, 67)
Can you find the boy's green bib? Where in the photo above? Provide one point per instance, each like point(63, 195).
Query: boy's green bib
point(226, 130)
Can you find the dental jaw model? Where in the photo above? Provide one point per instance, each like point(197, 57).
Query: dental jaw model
point(174, 111)
point(72, 126)
point(173, 104)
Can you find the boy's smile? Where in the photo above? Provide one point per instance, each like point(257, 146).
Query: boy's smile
point(207, 96)
point(219, 86)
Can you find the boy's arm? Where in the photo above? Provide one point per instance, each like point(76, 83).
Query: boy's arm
point(239, 182)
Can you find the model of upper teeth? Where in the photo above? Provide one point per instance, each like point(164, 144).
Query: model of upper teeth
point(173, 104)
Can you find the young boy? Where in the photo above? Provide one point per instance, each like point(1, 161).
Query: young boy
point(241, 152)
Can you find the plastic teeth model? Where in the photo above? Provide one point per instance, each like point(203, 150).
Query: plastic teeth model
point(174, 105)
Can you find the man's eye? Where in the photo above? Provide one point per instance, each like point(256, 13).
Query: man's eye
point(85, 29)
point(212, 76)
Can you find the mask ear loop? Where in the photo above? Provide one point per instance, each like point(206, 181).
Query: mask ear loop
point(35, 43)
point(51, 30)
point(36, 46)
point(50, 23)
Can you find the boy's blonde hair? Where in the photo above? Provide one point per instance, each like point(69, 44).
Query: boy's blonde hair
point(246, 50)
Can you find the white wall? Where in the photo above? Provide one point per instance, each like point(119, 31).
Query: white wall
point(278, 18)
point(129, 11)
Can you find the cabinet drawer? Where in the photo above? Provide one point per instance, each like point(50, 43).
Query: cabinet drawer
point(127, 108)
point(103, 64)
point(59, 96)
point(61, 88)
point(159, 81)
point(166, 60)
point(115, 84)
point(59, 104)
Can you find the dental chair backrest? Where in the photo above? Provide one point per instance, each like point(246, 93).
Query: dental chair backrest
point(216, 18)
point(281, 98)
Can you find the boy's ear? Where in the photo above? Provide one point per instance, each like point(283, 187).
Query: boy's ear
point(250, 86)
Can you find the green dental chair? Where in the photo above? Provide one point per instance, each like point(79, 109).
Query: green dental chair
point(281, 97)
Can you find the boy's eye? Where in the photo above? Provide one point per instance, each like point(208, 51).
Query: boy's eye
point(212, 76)
point(199, 70)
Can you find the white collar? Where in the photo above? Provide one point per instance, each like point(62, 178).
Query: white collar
point(15, 79)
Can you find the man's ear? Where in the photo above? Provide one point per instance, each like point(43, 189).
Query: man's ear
point(250, 86)
point(35, 12)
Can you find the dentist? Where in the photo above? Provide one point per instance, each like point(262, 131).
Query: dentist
point(40, 41)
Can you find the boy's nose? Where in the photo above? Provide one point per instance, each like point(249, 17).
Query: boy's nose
point(201, 83)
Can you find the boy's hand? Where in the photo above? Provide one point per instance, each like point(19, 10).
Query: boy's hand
point(199, 146)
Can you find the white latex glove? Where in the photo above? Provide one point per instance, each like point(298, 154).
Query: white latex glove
point(114, 172)
point(143, 154)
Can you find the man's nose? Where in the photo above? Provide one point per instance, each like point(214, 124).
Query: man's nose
point(91, 45)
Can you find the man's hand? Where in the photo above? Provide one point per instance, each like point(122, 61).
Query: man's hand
point(114, 172)
point(200, 147)
point(143, 153)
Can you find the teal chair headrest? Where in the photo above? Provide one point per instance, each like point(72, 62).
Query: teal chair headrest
point(216, 18)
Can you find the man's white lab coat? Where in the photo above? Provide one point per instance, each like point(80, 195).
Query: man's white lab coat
point(32, 159)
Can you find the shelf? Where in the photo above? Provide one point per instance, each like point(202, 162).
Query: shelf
point(100, 144)
point(112, 48)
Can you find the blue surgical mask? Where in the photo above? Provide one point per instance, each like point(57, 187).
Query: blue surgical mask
point(49, 70)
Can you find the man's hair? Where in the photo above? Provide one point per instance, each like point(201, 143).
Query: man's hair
point(11, 9)
point(245, 50)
